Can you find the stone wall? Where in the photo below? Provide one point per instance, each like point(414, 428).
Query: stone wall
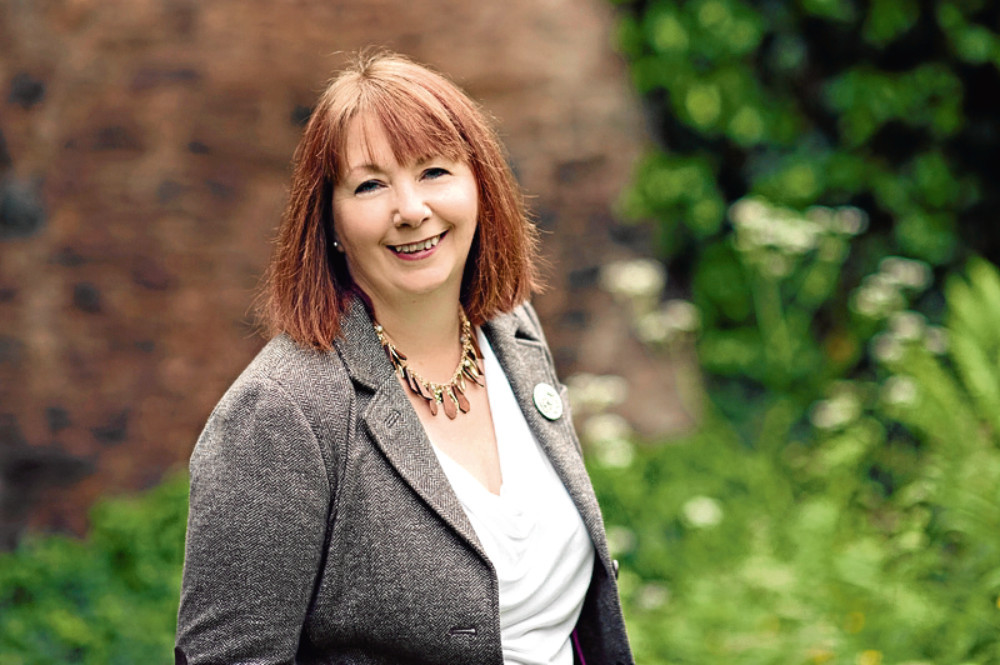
point(144, 159)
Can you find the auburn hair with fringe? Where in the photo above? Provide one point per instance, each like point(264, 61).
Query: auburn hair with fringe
point(308, 287)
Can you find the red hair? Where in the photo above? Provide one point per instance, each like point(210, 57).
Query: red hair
point(308, 287)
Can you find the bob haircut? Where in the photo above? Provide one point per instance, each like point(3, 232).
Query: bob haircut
point(308, 287)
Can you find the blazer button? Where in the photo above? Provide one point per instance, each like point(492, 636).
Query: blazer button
point(614, 567)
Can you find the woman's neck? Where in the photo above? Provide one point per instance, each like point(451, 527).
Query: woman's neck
point(426, 332)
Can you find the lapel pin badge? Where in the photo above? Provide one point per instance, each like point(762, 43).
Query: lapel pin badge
point(548, 402)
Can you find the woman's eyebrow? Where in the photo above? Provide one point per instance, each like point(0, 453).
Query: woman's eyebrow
point(364, 168)
point(435, 157)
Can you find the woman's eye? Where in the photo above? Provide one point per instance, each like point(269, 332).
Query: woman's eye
point(435, 172)
point(367, 186)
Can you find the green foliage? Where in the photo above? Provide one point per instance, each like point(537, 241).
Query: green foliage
point(111, 599)
point(882, 106)
point(819, 161)
point(871, 536)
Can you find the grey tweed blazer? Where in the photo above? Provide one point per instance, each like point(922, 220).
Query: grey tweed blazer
point(323, 530)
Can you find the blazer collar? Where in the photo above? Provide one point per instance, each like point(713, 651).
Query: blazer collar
point(397, 431)
point(394, 425)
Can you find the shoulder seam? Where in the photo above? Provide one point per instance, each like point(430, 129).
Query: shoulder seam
point(287, 395)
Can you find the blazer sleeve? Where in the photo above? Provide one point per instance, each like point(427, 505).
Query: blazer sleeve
point(259, 503)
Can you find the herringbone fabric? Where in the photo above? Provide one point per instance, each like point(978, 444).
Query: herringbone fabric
point(323, 530)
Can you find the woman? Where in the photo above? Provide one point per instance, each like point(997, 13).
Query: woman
point(395, 478)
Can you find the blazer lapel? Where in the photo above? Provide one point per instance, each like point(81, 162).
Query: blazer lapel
point(397, 431)
point(394, 424)
point(524, 358)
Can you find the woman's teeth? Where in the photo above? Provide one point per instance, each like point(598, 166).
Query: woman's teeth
point(416, 246)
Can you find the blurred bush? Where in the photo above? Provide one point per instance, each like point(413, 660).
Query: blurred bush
point(824, 173)
point(867, 534)
point(885, 107)
point(109, 600)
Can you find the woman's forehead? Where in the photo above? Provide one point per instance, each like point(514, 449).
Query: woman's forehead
point(369, 141)
point(366, 144)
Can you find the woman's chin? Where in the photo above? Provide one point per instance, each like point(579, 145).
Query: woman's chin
point(416, 290)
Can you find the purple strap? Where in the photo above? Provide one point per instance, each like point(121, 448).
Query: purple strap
point(576, 644)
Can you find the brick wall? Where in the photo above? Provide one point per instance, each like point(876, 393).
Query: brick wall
point(144, 158)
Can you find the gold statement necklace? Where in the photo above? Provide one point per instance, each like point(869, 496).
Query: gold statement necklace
point(451, 395)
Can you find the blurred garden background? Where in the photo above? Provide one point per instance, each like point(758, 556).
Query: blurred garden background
point(773, 295)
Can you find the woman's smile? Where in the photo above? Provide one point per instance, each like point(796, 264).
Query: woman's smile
point(417, 250)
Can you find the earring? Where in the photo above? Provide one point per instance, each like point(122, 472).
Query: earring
point(336, 245)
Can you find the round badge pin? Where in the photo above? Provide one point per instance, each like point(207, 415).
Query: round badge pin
point(548, 402)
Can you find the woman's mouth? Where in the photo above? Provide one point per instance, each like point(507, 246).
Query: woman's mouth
point(417, 247)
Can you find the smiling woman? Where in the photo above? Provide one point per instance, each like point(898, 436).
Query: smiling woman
point(428, 504)
point(420, 114)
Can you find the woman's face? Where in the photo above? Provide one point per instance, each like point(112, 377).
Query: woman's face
point(405, 229)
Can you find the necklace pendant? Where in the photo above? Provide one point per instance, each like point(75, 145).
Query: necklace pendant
point(449, 396)
point(463, 401)
point(423, 391)
point(450, 405)
point(412, 382)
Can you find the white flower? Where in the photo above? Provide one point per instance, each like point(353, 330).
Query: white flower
point(634, 279)
point(682, 315)
point(621, 540)
point(887, 348)
point(907, 326)
point(610, 435)
point(652, 328)
point(594, 393)
point(899, 391)
point(760, 225)
point(675, 318)
point(616, 453)
point(877, 297)
point(907, 273)
point(821, 215)
point(747, 211)
point(841, 409)
point(799, 236)
point(702, 512)
point(844, 221)
point(651, 596)
point(850, 221)
point(822, 416)
point(606, 426)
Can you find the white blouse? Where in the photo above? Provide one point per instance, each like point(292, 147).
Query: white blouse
point(532, 533)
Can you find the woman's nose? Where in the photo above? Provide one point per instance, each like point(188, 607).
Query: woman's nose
point(411, 207)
